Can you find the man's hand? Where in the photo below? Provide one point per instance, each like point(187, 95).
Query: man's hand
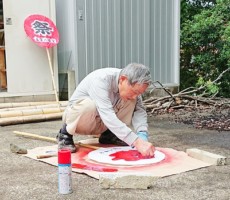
point(144, 147)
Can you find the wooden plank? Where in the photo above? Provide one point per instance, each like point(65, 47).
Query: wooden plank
point(2, 38)
point(3, 83)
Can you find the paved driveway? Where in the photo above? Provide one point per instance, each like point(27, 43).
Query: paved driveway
point(25, 179)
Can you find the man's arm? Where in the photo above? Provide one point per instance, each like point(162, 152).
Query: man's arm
point(141, 127)
point(99, 92)
point(139, 120)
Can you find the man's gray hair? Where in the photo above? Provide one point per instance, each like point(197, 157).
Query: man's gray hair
point(137, 73)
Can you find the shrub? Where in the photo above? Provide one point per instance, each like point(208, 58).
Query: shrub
point(205, 44)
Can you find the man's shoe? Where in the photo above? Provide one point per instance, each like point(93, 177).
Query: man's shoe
point(65, 140)
point(108, 137)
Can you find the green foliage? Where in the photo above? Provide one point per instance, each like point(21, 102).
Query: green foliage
point(205, 44)
point(200, 82)
point(209, 87)
point(212, 88)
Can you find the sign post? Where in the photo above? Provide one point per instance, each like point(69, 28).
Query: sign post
point(44, 33)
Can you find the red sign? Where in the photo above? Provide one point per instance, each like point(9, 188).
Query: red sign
point(41, 30)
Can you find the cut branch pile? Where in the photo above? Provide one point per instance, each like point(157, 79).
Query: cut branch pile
point(179, 101)
point(193, 99)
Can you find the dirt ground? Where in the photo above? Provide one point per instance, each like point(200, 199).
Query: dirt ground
point(26, 179)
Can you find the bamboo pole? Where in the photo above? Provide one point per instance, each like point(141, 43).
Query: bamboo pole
point(50, 139)
point(62, 104)
point(21, 104)
point(52, 74)
point(30, 119)
point(15, 113)
point(34, 136)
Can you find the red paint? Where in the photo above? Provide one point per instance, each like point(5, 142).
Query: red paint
point(131, 155)
point(93, 168)
point(81, 161)
point(169, 159)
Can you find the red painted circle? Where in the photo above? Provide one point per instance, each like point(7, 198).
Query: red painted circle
point(41, 30)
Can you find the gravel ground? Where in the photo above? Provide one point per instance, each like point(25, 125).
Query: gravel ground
point(26, 179)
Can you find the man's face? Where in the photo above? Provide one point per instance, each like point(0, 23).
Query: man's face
point(130, 92)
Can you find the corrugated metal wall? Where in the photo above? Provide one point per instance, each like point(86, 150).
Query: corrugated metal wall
point(113, 33)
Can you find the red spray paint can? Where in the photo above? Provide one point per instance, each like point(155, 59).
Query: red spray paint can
point(64, 171)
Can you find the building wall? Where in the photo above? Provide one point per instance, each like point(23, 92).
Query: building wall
point(113, 33)
point(164, 41)
point(28, 72)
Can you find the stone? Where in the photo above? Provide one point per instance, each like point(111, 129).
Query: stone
point(207, 157)
point(126, 181)
point(16, 149)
